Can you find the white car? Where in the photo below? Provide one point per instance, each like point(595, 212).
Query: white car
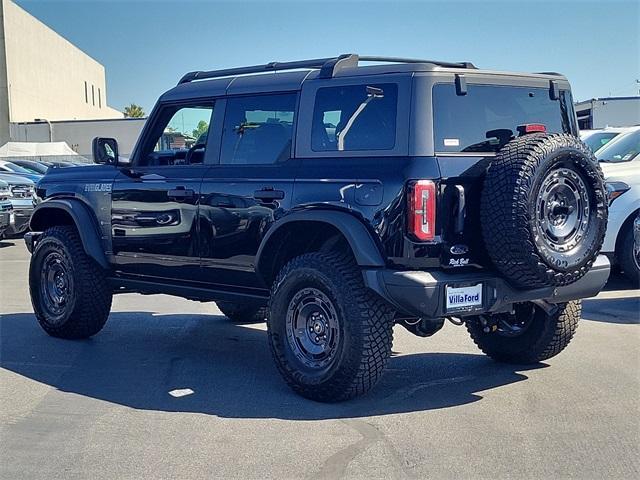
point(597, 139)
point(620, 161)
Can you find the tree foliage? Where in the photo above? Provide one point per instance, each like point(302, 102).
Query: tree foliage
point(133, 111)
point(200, 129)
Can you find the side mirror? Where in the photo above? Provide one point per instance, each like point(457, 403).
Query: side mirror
point(105, 150)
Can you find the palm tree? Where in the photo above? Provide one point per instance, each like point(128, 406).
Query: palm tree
point(133, 111)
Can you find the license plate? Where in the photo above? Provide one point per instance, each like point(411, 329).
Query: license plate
point(463, 298)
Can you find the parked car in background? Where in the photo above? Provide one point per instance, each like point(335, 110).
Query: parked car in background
point(596, 139)
point(22, 200)
point(39, 168)
point(620, 161)
point(13, 169)
point(6, 209)
point(63, 164)
point(636, 237)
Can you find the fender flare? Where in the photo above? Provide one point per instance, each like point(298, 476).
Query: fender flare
point(363, 245)
point(84, 220)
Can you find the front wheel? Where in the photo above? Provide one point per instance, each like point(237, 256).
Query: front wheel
point(528, 335)
point(330, 336)
point(629, 253)
point(69, 291)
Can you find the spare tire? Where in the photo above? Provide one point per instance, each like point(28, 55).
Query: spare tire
point(543, 210)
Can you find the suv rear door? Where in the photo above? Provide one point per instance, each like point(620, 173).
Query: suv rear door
point(469, 128)
point(155, 201)
point(249, 188)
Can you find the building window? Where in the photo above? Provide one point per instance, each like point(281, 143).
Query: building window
point(86, 93)
point(99, 99)
point(93, 95)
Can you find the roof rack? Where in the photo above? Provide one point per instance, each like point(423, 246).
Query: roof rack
point(328, 66)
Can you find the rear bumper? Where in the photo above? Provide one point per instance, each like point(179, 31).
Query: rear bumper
point(422, 293)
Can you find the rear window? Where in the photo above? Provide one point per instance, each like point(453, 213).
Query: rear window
point(258, 129)
point(487, 117)
point(355, 117)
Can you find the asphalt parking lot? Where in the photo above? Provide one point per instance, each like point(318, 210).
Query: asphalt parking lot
point(171, 389)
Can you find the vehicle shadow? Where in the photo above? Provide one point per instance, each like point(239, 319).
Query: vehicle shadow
point(624, 309)
point(140, 357)
point(612, 310)
point(617, 281)
point(5, 242)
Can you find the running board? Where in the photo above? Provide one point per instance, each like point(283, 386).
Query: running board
point(146, 287)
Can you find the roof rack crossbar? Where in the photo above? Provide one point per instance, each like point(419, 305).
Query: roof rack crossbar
point(267, 67)
point(418, 60)
point(328, 66)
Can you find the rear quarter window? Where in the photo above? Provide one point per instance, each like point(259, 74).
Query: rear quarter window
point(355, 117)
point(487, 117)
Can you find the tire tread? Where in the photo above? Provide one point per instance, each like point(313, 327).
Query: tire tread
point(93, 302)
point(374, 324)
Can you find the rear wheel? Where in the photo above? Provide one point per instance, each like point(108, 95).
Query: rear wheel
point(69, 291)
point(529, 335)
point(247, 313)
point(330, 336)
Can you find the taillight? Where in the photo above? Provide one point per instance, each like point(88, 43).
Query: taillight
point(422, 209)
point(531, 128)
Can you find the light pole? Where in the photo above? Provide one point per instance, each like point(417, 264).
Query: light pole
point(44, 120)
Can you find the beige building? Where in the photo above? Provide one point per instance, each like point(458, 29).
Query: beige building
point(44, 76)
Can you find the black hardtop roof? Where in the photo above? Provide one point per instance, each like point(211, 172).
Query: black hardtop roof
point(328, 67)
point(289, 76)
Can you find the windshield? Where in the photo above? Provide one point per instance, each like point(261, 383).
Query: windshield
point(623, 149)
point(597, 140)
point(12, 167)
point(488, 116)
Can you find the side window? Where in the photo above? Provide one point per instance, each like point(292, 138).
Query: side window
point(179, 136)
point(356, 117)
point(258, 129)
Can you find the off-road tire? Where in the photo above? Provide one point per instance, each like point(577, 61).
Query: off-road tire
point(511, 195)
point(89, 305)
point(546, 336)
point(625, 255)
point(365, 324)
point(248, 313)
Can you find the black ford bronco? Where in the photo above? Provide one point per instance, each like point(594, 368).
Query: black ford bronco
point(336, 199)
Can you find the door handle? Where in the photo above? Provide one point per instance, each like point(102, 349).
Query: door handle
point(181, 193)
point(268, 194)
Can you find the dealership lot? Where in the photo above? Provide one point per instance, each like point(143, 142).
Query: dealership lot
point(171, 389)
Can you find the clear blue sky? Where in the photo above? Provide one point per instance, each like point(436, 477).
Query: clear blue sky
point(146, 46)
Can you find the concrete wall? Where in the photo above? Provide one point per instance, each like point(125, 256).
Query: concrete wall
point(616, 113)
point(612, 112)
point(79, 134)
point(46, 74)
point(4, 97)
